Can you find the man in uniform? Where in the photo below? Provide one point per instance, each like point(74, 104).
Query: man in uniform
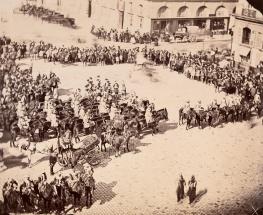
point(52, 158)
point(87, 178)
point(116, 88)
point(123, 89)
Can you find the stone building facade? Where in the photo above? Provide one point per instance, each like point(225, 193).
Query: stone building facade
point(247, 43)
point(164, 15)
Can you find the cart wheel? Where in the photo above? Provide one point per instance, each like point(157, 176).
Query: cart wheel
point(94, 161)
point(62, 162)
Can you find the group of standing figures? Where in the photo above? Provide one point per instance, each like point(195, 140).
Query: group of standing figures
point(192, 183)
point(39, 195)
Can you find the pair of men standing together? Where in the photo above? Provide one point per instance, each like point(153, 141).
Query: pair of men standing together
point(191, 189)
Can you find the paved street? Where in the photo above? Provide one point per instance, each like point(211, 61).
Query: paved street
point(226, 160)
point(227, 165)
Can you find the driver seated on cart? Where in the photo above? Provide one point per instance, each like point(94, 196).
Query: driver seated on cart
point(66, 140)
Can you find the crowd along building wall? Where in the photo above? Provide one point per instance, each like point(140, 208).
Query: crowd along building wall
point(147, 15)
point(164, 15)
point(171, 15)
point(247, 42)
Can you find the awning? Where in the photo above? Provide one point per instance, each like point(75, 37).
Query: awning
point(244, 51)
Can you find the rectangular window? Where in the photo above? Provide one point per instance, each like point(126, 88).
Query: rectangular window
point(140, 10)
point(246, 36)
point(130, 7)
point(141, 22)
point(131, 19)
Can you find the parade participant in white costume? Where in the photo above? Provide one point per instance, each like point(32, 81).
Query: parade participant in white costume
point(82, 112)
point(186, 107)
point(113, 110)
point(257, 99)
point(148, 115)
point(198, 106)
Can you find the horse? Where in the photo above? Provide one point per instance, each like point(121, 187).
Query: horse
point(259, 108)
point(182, 116)
point(36, 128)
point(12, 198)
point(191, 114)
point(76, 189)
point(46, 192)
point(200, 118)
point(29, 197)
point(230, 112)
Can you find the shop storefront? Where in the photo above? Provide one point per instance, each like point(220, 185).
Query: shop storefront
point(172, 25)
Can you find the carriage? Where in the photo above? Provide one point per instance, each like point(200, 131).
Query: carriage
point(86, 151)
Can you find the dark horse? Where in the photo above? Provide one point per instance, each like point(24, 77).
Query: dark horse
point(46, 192)
point(76, 189)
point(182, 116)
point(191, 114)
point(12, 198)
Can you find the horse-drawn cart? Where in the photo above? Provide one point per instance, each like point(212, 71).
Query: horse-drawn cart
point(85, 151)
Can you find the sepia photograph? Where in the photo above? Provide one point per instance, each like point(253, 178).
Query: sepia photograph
point(131, 107)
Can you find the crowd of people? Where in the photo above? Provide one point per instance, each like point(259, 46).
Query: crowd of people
point(207, 68)
point(243, 89)
point(136, 37)
point(47, 15)
point(30, 106)
point(124, 36)
point(49, 195)
point(103, 55)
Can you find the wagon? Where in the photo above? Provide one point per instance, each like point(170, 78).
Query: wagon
point(85, 151)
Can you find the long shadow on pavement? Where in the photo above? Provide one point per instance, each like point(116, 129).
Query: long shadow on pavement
point(199, 195)
point(14, 161)
point(104, 193)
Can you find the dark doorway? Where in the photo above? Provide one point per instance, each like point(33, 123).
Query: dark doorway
point(121, 19)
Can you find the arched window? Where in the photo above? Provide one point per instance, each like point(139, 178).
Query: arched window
point(221, 11)
point(163, 12)
point(234, 10)
point(130, 7)
point(246, 35)
point(140, 12)
point(202, 12)
point(183, 12)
